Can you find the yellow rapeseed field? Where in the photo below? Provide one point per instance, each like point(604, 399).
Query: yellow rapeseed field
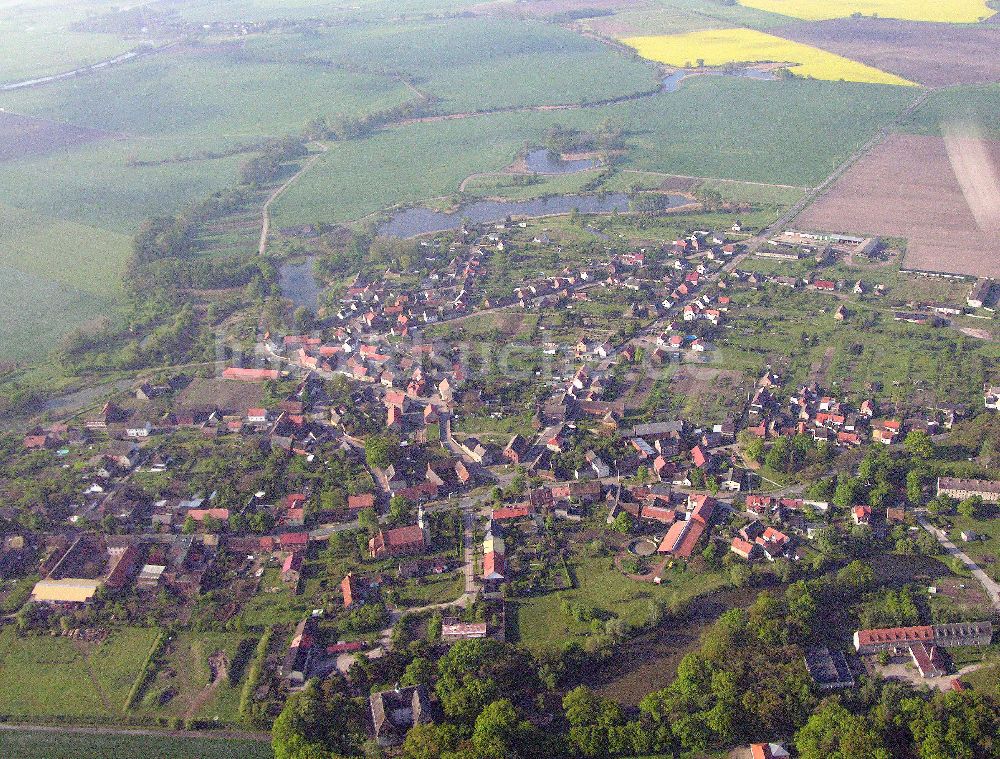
point(721, 46)
point(947, 11)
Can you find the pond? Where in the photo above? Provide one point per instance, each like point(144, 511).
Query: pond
point(298, 283)
point(544, 161)
point(419, 221)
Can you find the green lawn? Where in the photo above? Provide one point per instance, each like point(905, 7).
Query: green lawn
point(434, 589)
point(57, 677)
point(543, 623)
point(45, 745)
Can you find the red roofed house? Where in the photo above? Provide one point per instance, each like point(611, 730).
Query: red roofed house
point(862, 514)
point(293, 540)
point(291, 570)
point(672, 540)
point(768, 751)
point(891, 638)
point(199, 515)
point(361, 501)
point(400, 541)
point(701, 459)
point(511, 512)
point(743, 548)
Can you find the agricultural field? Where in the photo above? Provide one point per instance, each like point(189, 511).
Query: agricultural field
point(944, 11)
point(978, 105)
point(676, 133)
point(38, 40)
point(936, 55)
point(37, 744)
point(59, 677)
point(908, 188)
point(720, 47)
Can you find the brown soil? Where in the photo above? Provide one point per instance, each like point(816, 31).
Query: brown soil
point(933, 54)
point(25, 136)
point(906, 187)
point(547, 8)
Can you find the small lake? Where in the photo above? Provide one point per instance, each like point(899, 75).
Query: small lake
point(420, 221)
point(298, 283)
point(544, 161)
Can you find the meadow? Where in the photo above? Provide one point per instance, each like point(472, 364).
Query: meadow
point(943, 11)
point(798, 132)
point(719, 47)
point(544, 624)
point(30, 744)
point(58, 677)
point(181, 686)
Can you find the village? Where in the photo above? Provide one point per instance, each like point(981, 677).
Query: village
point(395, 471)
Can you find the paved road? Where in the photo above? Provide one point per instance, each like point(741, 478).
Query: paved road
point(992, 588)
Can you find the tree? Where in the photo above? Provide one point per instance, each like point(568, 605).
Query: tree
point(498, 733)
point(190, 526)
point(399, 509)
point(972, 507)
point(622, 523)
point(919, 444)
point(832, 732)
point(378, 452)
point(430, 741)
point(312, 725)
point(368, 520)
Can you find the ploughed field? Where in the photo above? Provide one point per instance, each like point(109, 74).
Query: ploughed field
point(907, 187)
point(936, 55)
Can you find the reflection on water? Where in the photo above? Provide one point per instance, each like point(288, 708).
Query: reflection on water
point(298, 283)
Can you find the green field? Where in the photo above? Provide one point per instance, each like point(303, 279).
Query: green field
point(797, 133)
point(476, 63)
point(58, 677)
point(46, 745)
point(544, 624)
point(36, 40)
point(181, 685)
point(978, 105)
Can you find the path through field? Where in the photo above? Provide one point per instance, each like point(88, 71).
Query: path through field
point(265, 212)
point(220, 671)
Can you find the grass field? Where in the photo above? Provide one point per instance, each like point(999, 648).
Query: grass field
point(979, 105)
point(58, 677)
point(213, 98)
point(543, 623)
point(181, 686)
point(62, 252)
point(477, 63)
point(797, 131)
point(46, 745)
point(719, 47)
point(35, 39)
point(946, 11)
